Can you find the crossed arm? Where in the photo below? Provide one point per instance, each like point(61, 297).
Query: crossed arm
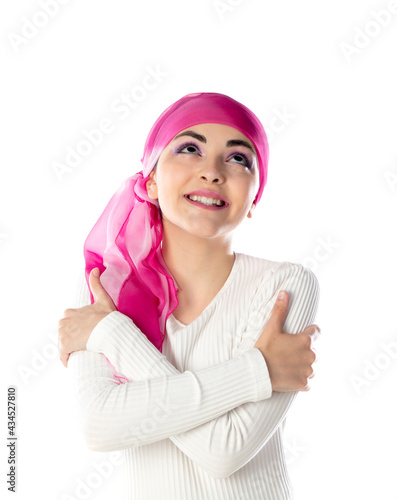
point(220, 416)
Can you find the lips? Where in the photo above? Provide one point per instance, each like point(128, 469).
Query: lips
point(204, 206)
point(208, 194)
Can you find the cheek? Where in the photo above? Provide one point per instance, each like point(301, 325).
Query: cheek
point(253, 188)
point(173, 179)
point(246, 190)
point(168, 188)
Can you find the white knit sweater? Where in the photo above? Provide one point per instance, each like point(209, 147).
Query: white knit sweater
point(198, 421)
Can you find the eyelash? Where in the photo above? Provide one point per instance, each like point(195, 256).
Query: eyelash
point(186, 144)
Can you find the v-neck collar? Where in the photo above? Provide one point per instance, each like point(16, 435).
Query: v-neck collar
point(229, 279)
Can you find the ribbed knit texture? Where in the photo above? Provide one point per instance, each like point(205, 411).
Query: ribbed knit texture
point(198, 421)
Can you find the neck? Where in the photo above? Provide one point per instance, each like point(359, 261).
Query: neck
point(197, 264)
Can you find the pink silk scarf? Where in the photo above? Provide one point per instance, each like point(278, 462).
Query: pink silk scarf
point(125, 242)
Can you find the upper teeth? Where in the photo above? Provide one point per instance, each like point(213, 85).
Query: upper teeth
point(206, 201)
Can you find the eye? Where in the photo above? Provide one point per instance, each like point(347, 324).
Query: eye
point(186, 145)
point(242, 157)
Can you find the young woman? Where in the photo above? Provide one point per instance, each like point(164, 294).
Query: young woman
point(180, 350)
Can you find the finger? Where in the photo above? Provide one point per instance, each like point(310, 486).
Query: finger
point(279, 312)
point(314, 332)
point(98, 291)
point(95, 283)
point(315, 352)
point(63, 354)
point(64, 359)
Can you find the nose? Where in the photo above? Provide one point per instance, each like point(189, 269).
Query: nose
point(212, 172)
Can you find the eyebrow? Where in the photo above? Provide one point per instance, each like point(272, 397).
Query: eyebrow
point(201, 138)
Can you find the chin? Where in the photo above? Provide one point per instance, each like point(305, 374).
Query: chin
point(208, 232)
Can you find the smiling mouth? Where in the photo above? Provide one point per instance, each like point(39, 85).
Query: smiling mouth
point(203, 202)
point(209, 202)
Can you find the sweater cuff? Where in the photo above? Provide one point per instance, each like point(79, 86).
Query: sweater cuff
point(261, 373)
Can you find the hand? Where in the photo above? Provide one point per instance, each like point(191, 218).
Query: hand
point(289, 357)
point(75, 328)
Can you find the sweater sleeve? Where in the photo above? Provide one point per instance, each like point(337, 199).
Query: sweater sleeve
point(224, 444)
point(117, 415)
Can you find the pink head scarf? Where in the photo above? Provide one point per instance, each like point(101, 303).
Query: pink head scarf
point(125, 242)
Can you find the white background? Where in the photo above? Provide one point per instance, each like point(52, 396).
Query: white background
point(330, 204)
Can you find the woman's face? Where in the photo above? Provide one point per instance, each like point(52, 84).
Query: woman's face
point(206, 157)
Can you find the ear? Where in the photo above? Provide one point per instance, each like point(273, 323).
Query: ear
point(151, 186)
point(251, 211)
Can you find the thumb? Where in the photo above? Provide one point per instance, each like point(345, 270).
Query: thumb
point(96, 286)
point(279, 312)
